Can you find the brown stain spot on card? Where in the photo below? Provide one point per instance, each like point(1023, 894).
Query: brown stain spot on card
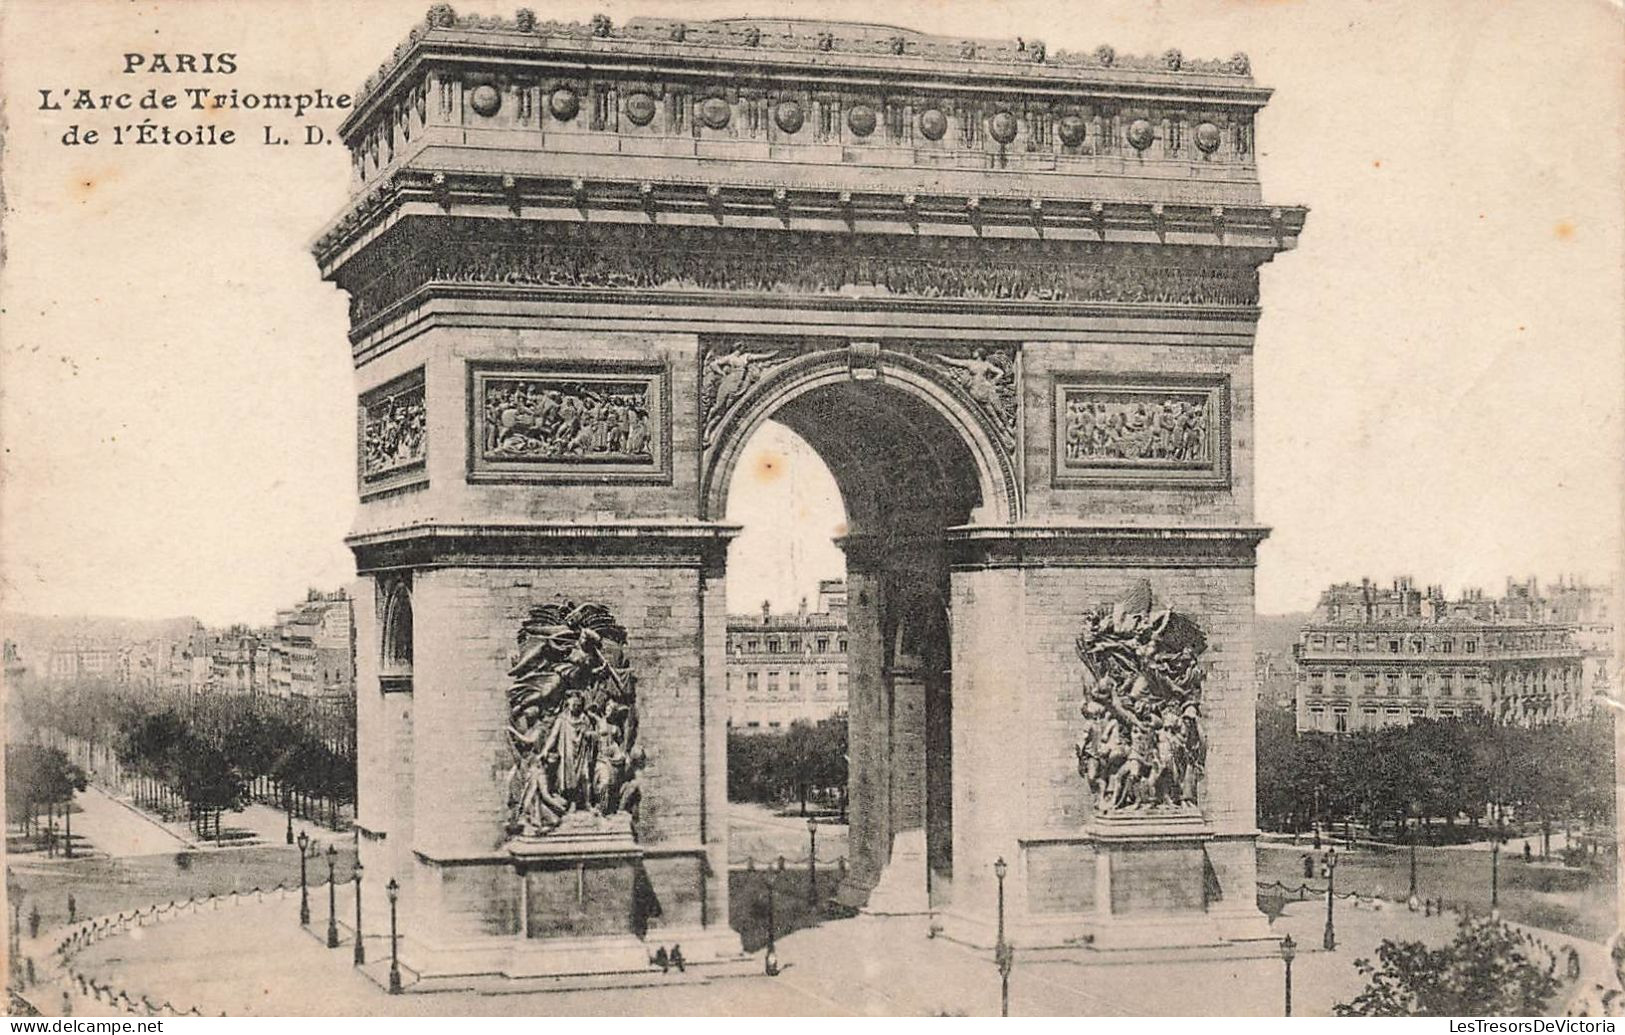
point(1377, 164)
point(769, 466)
point(840, 529)
point(1564, 231)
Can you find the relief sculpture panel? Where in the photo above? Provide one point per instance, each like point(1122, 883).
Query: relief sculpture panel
point(568, 422)
point(1143, 747)
point(1163, 430)
point(394, 434)
point(729, 370)
point(572, 721)
point(989, 377)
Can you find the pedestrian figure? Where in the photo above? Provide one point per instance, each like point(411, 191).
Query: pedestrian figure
point(1527, 854)
point(73, 910)
point(28, 965)
point(1308, 865)
point(33, 921)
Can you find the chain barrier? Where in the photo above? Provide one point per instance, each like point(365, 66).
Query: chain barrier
point(87, 933)
point(1438, 907)
point(749, 862)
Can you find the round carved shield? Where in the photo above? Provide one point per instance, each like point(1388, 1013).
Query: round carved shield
point(1207, 138)
point(485, 100)
point(564, 104)
point(933, 123)
point(789, 116)
point(715, 112)
point(862, 119)
point(1140, 134)
point(1003, 127)
point(640, 109)
point(1072, 129)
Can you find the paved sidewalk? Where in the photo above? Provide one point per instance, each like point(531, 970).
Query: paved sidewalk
point(263, 824)
point(757, 833)
point(254, 959)
point(107, 826)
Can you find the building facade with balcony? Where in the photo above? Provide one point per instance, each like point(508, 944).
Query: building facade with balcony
point(1373, 656)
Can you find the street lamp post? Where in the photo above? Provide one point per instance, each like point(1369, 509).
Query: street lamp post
point(287, 805)
point(393, 889)
point(1495, 871)
point(1003, 953)
point(1289, 949)
point(1329, 937)
point(812, 863)
point(304, 885)
point(332, 900)
point(770, 963)
point(1411, 901)
point(360, 950)
point(14, 893)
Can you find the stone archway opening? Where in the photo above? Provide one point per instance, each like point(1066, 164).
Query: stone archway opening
point(905, 474)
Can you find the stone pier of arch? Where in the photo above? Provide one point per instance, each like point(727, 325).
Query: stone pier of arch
point(586, 262)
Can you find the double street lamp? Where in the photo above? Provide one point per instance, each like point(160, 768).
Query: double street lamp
point(304, 885)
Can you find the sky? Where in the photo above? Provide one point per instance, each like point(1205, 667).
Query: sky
point(1438, 368)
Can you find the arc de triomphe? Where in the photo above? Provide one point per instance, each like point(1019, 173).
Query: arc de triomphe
point(1010, 298)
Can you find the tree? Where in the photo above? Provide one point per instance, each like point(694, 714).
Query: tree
point(778, 765)
point(209, 783)
point(38, 775)
point(1486, 971)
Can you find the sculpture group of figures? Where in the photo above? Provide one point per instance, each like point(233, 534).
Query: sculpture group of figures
point(1132, 427)
point(1142, 746)
point(990, 379)
point(725, 379)
point(393, 432)
point(563, 420)
point(572, 719)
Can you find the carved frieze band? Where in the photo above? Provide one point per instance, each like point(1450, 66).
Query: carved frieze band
point(1155, 429)
point(394, 435)
point(786, 263)
point(569, 422)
